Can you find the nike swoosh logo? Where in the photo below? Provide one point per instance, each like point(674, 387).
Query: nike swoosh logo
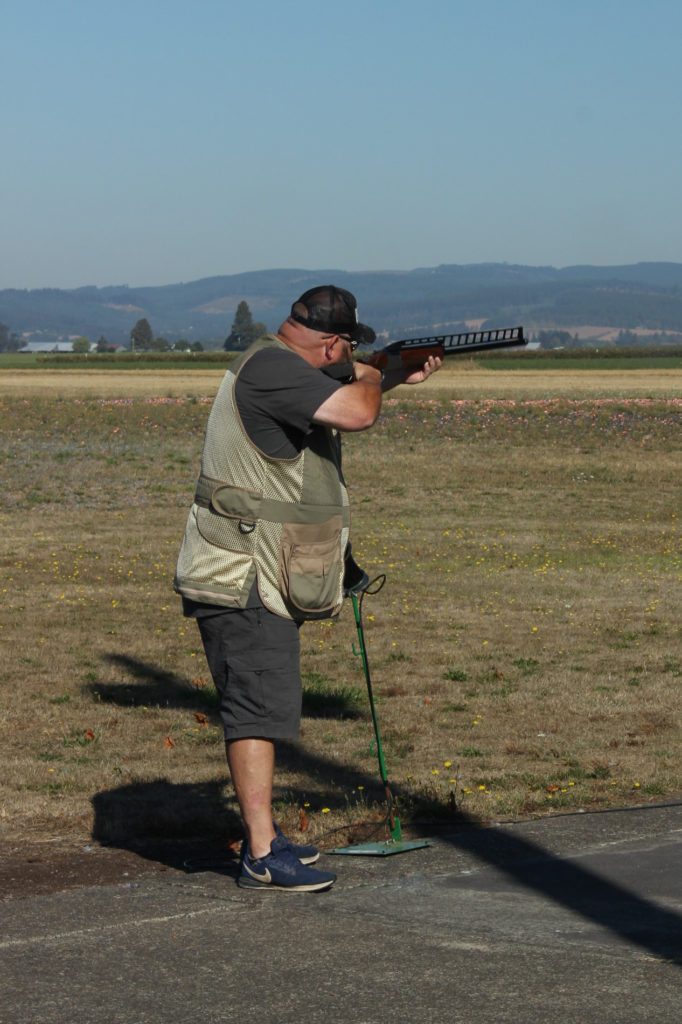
point(265, 877)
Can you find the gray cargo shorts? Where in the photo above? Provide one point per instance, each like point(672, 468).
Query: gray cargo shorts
point(254, 658)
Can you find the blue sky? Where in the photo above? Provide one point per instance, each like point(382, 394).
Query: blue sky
point(149, 143)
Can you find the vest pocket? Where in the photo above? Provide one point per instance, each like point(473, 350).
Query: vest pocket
point(311, 566)
point(230, 534)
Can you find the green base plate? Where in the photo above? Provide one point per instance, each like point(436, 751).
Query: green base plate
point(381, 849)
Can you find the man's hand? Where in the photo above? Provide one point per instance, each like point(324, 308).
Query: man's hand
point(365, 371)
point(432, 364)
point(403, 375)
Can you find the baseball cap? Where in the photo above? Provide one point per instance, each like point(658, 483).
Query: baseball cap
point(333, 311)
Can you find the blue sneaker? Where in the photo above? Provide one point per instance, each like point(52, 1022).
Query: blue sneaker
point(306, 854)
point(280, 869)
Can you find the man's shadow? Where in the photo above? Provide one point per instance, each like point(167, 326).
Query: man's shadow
point(180, 811)
point(190, 826)
point(166, 822)
point(150, 686)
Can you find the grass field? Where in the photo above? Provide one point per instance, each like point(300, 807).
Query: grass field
point(466, 379)
point(525, 649)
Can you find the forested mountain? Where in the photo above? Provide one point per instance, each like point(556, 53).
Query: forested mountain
point(639, 297)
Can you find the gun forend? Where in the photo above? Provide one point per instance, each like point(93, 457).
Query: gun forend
point(413, 352)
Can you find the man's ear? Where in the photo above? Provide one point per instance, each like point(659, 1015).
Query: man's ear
point(330, 347)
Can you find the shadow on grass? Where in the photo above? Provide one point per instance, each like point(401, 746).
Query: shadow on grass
point(321, 700)
point(151, 686)
point(159, 819)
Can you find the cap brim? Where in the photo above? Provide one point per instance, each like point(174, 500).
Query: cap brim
point(363, 334)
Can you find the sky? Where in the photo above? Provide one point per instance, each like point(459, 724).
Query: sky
point(149, 143)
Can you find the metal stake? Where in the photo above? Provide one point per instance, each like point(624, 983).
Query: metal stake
point(395, 844)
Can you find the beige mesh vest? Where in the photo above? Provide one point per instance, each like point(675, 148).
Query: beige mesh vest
point(284, 522)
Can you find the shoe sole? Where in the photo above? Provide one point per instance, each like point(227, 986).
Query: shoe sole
point(252, 883)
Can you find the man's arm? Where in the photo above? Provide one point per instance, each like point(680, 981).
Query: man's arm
point(354, 406)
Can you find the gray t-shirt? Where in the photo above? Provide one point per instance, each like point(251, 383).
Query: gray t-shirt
point(277, 394)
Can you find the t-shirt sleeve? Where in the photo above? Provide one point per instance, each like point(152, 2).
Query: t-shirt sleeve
point(277, 394)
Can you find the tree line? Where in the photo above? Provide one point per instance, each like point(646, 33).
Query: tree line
point(142, 340)
point(245, 330)
point(555, 339)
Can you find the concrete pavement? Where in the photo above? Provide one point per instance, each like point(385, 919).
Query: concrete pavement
point(574, 919)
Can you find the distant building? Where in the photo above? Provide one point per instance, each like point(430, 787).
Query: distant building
point(47, 347)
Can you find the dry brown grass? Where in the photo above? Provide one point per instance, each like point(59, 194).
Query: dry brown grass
point(461, 378)
point(525, 649)
point(132, 383)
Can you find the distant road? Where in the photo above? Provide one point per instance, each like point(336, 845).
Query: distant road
point(450, 382)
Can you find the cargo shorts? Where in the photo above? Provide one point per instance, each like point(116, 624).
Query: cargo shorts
point(254, 659)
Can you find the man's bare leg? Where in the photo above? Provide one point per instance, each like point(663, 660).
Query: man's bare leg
point(252, 766)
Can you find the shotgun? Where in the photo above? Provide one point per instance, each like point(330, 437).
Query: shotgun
point(411, 353)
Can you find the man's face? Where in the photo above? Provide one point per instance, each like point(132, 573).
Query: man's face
point(346, 349)
point(337, 349)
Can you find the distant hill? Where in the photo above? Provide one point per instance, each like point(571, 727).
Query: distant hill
point(640, 297)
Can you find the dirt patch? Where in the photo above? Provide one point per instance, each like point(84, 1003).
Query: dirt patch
point(37, 869)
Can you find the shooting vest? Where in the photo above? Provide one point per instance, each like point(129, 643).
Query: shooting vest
point(282, 522)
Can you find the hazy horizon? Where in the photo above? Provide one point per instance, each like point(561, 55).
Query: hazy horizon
point(141, 285)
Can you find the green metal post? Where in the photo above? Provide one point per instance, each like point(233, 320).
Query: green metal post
point(394, 821)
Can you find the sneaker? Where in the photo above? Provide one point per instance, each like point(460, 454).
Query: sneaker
point(306, 854)
point(280, 869)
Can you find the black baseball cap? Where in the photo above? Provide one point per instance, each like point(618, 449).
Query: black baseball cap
point(333, 311)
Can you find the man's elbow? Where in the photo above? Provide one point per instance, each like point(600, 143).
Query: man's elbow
point(370, 419)
point(364, 418)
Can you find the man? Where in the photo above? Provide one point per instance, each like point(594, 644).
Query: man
point(266, 542)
